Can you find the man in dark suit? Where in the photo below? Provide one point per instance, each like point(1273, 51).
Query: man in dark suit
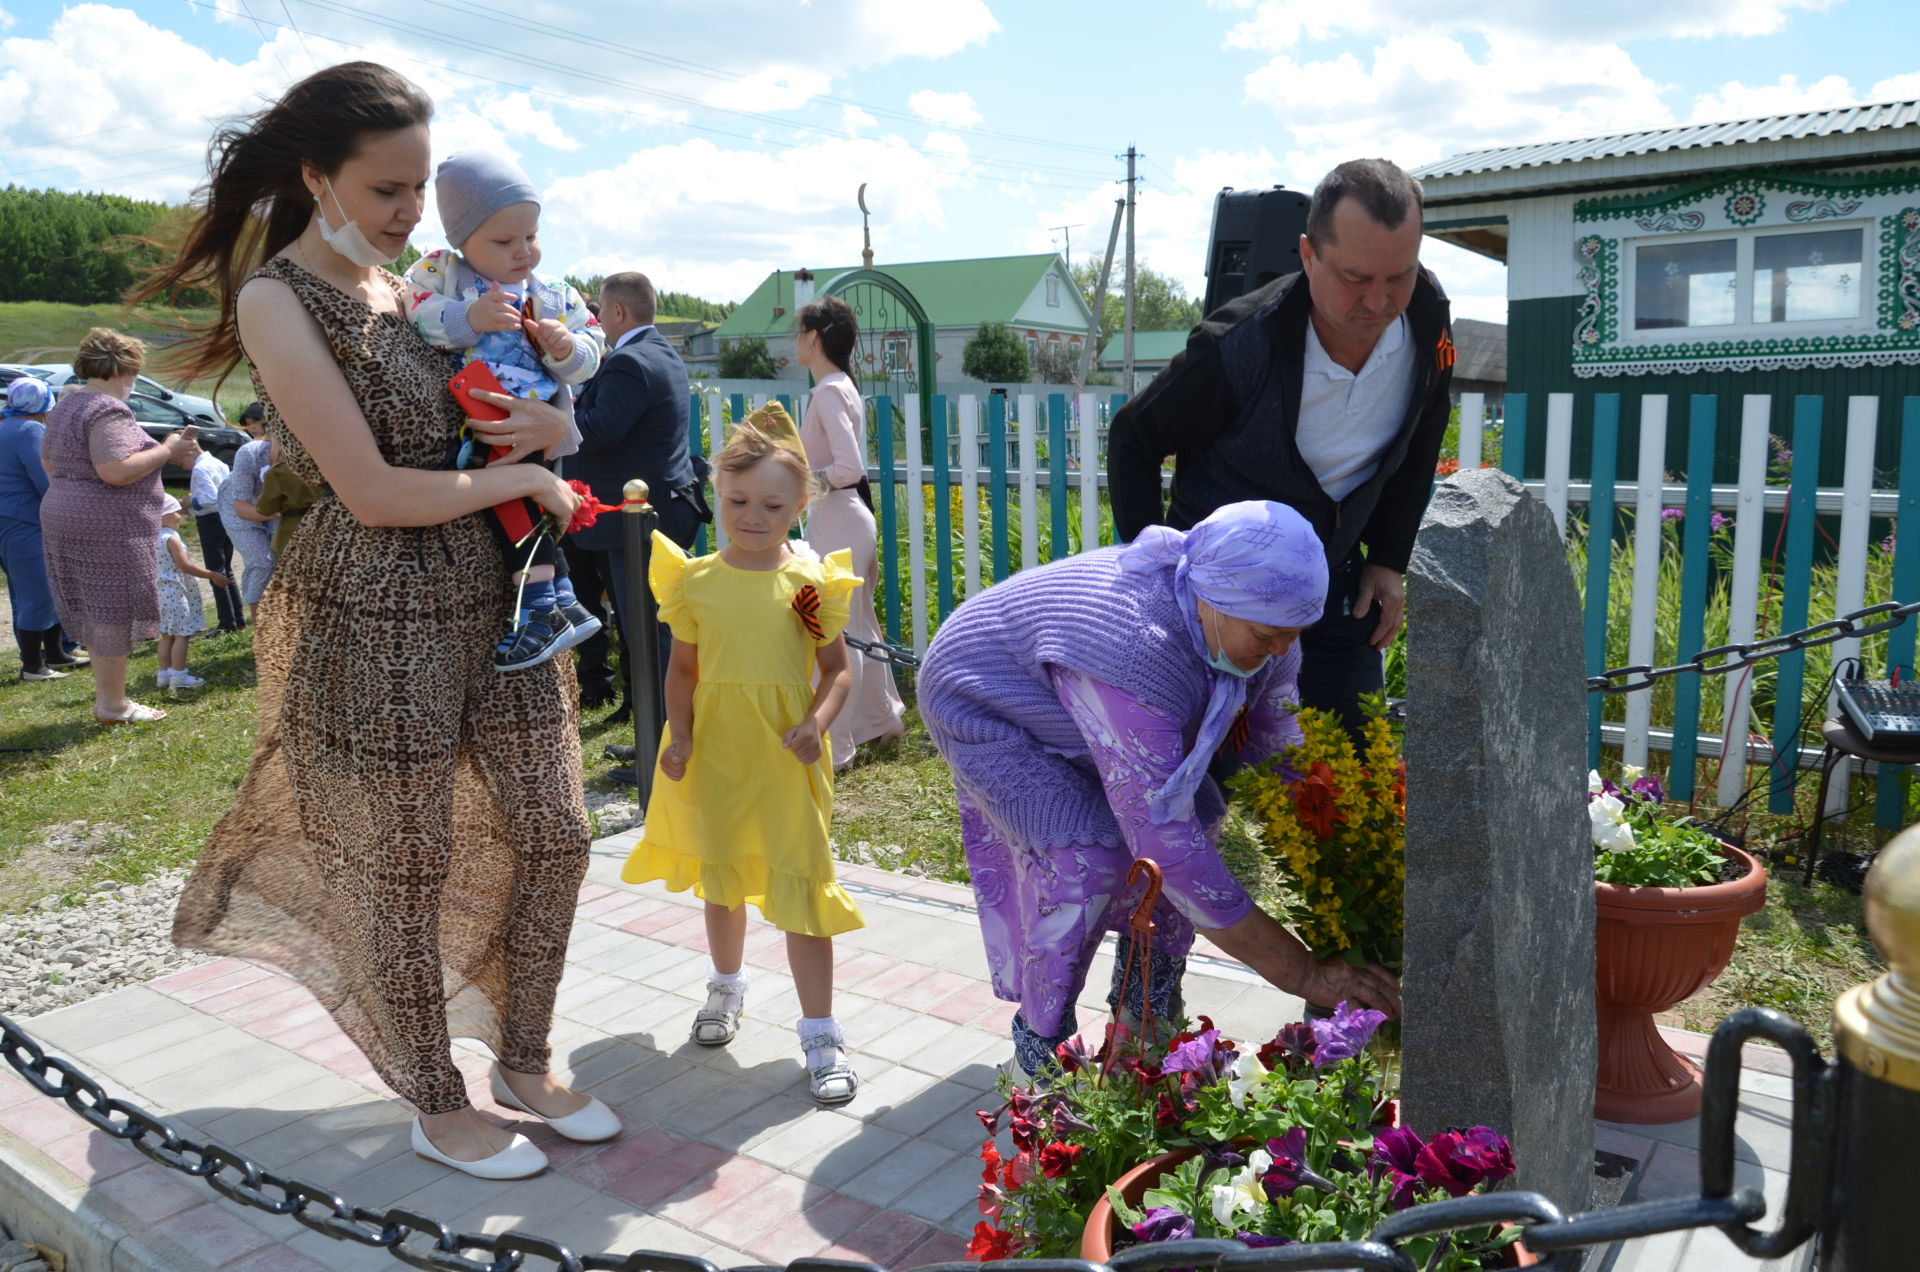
point(633, 423)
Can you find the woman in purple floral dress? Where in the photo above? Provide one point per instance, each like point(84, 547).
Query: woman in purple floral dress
point(1080, 706)
point(101, 515)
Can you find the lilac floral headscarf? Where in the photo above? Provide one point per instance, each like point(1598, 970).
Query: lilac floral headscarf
point(1256, 561)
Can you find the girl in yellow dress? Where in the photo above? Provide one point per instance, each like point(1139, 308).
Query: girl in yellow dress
point(743, 789)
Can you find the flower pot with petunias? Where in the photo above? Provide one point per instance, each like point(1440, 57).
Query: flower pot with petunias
point(1670, 897)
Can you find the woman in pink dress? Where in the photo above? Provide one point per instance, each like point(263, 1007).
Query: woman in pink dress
point(101, 514)
point(835, 434)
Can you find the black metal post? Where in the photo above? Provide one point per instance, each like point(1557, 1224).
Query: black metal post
point(1876, 1031)
point(638, 521)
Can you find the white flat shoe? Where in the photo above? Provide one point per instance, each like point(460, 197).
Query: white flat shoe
point(593, 1124)
point(518, 1160)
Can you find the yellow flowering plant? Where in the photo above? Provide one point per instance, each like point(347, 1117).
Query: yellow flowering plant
point(1333, 819)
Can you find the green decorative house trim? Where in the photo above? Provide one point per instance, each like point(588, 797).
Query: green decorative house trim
point(1745, 205)
point(1900, 299)
point(1596, 322)
point(1780, 180)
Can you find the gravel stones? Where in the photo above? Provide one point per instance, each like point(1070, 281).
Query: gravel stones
point(120, 934)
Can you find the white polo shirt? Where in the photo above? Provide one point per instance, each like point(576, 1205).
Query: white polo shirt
point(1346, 420)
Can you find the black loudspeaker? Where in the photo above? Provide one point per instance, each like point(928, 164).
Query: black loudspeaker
point(1256, 239)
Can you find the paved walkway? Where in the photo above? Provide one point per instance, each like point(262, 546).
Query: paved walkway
point(724, 1156)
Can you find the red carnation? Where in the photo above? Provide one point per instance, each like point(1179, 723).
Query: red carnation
point(590, 508)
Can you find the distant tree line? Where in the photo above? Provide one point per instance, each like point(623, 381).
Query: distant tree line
point(669, 304)
point(78, 249)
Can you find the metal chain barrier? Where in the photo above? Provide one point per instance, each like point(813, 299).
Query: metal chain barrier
point(422, 1241)
point(880, 652)
point(1633, 679)
point(1889, 614)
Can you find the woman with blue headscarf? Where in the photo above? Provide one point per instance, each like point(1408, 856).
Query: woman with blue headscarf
point(1080, 706)
point(36, 623)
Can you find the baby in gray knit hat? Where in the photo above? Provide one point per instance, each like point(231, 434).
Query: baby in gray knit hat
point(482, 300)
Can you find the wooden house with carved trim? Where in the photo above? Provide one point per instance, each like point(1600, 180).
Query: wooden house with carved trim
point(1778, 255)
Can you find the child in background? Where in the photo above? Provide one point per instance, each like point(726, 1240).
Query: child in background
point(182, 609)
point(483, 301)
point(743, 790)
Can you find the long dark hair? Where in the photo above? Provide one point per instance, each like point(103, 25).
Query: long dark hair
point(832, 320)
point(255, 203)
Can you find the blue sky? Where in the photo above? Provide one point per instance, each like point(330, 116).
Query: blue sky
point(708, 141)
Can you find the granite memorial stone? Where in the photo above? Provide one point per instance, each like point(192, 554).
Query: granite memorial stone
point(1499, 979)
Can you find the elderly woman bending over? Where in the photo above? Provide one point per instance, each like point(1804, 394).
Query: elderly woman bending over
point(1080, 706)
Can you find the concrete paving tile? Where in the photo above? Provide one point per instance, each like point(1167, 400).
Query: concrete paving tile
point(672, 1098)
point(608, 1225)
point(876, 1023)
point(99, 1023)
point(832, 1167)
point(923, 1042)
point(661, 916)
point(885, 1090)
point(152, 1065)
point(340, 1256)
point(808, 1132)
point(757, 1210)
point(941, 1247)
point(41, 1122)
point(213, 1234)
point(688, 978)
point(935, 988)
point(527, 1205)
point(849, 972)
point(387, 1181)
point(584, 990)
point(899, 1172)
point(937, 1196)
point(762, 1121)
point(91, 1156)
point(240, 973)
point(148, 1194)
point(605, 1165)
point(704, 1106)
point(897, 979)
point(672, 959)
point(886, 1238)
point(597, 1061)
point(621, 1010)
point(967, 1004)
point(687, 1167)
point(759, 1044)
point(608, 901)
point(812, 1230)
point(258, 1016)
point(738, 1183)
point(777, 1007)
point(625, 1087)
point(231, 1084)
point(15, 1091)
point(198, 974)
point(278, 1258)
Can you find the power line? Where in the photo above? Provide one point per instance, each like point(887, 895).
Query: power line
point(266, 39)
point(302, 35)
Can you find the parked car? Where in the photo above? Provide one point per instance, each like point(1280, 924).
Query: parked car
point(160, 419)
point(199, 408)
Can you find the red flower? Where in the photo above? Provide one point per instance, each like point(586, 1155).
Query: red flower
point(1057, 1159)
point(1447, 467)
point(990, 1156)
point(989, 1243)
point(1313, 797)
point(1018, 1171)
point(590, 508)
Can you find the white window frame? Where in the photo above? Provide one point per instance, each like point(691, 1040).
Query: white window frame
point(1053, 291)
point(893, 355)
point(1744, 238)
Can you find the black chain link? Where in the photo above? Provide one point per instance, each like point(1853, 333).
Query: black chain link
point(880, 652)
point(1738, 656)
point(424, 1242)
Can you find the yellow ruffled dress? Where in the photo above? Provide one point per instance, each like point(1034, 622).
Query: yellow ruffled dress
point(748, 823)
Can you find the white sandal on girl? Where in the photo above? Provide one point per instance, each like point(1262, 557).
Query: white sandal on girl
point(830, 1079)
point(717, 1023)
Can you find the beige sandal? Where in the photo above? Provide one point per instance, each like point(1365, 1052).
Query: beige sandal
point(136, 713)
point(715, 1025)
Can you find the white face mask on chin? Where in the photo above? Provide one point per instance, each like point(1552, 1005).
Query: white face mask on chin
point(347, 238)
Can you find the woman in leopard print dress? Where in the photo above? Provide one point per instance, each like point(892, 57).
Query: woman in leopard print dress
point(396, 844)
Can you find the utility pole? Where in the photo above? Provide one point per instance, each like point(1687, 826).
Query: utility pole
point(1099, 300)
point(1066, 238)
point(1126, 376)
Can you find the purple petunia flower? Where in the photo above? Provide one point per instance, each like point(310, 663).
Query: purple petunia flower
point(1164, 1223)
point(1459, 1161)
point(1193, 1056)
point(1260, 1240)
point(1672, 514)
point(1720, 522)
point(1290, 1169)
point(1345, 1035)
point(1396, 1153)
point(1647, 787)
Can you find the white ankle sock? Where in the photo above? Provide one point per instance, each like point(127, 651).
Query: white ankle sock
point(814, 1027)
point(735, 983)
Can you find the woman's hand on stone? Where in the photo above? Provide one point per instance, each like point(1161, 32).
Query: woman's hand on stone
point(673, 760)
point(1331, 981)
point(531, 426)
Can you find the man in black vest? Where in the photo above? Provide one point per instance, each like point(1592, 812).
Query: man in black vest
point(1325, 390)
point(633, 423)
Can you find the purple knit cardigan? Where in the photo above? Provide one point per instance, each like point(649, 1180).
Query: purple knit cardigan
point(991, 709)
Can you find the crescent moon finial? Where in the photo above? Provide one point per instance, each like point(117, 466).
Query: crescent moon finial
point(861, 199)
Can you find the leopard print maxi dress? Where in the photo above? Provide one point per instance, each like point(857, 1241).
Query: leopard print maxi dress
point(410, 837)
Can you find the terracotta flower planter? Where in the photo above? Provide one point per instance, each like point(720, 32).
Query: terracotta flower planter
point(1097, 1238)
point(1657, 947)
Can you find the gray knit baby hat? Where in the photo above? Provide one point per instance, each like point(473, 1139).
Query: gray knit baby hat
point(472, 186)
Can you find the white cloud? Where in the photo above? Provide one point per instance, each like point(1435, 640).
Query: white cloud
point(854, 120)
point(696, 216)
point(519, 117)
point(1896, 88)
point(1734, 100)
point(955, 110)
point(7, 20)
point(1425, 96)
point(1281, 25)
